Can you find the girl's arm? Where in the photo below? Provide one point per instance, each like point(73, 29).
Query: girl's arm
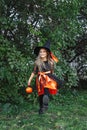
point(34, 72)
point(30, 79)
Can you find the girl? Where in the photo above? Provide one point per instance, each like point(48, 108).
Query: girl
point(46, 81)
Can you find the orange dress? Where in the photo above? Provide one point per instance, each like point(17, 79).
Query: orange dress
point(46, 79)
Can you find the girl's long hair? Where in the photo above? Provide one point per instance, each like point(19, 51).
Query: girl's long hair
point(40, 63)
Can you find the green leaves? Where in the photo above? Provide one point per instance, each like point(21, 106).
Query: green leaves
point(13, 73)
point(26, 24)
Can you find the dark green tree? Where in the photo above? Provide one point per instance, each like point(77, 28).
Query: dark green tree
point(26, 24)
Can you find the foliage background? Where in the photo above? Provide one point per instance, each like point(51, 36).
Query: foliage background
point(26, 24)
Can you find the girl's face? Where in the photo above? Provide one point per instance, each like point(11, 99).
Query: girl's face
point(43, 53)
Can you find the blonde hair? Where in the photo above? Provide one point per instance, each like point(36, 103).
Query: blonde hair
point(40, 63)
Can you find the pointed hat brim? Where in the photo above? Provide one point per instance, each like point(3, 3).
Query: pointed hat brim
point(37, 49)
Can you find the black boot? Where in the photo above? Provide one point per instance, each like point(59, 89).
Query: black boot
point(46, 99)
point(41, 111)
point(45, 102)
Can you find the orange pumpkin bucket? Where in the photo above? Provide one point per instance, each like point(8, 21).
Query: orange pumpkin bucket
point(29, 90)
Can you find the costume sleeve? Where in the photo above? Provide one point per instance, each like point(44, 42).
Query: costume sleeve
point(35, 69)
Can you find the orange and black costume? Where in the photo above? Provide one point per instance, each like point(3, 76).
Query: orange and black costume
point(44, 81)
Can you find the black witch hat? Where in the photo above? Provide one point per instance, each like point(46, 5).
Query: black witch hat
point(46, 46)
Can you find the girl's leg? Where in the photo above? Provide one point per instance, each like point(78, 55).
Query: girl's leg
point(46, 91)
point(46, 98)
point(42, 97)
point(41, 101)
point(41, 104)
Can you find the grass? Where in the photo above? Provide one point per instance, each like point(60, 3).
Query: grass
point(67, 111)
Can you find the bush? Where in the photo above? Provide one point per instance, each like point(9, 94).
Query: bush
point(14, 73)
